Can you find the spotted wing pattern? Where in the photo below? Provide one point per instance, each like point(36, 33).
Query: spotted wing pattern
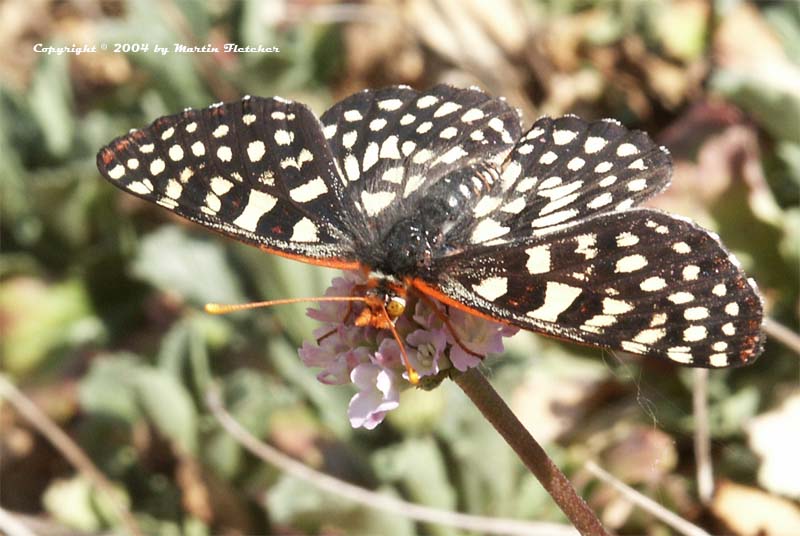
point(392, 145)
point(565, 169)
point(547, 240)
point(258, 170)
point(640, 281)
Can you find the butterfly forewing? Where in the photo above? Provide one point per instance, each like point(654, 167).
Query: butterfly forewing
point(392, 145)
point(566, 169)
point(257, 169)
point(639, 281)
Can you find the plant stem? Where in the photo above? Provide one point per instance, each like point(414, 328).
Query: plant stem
point(492, 406)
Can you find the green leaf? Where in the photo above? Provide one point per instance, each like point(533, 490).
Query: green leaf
point(419, 466)
point(122, 386)
point(298, 503)
point(168, 405)
point(194, 268)
point(50, 101)
point(77, 504)
point(39, 319)
point(108, 388)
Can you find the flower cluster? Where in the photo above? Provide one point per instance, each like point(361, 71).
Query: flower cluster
point(372, 360)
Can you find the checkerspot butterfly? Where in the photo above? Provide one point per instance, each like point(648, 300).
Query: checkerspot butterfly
point(440, 193)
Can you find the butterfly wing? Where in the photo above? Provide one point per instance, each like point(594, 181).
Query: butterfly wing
point(640, 281)
point(566, 169)
point(258, 170)
point(392, 145)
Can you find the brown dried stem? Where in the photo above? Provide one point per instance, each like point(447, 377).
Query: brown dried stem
point(494, 408)
point(68, 448)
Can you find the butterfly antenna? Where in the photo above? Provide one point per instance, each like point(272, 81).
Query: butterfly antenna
point(221, 309)
point(413, 375)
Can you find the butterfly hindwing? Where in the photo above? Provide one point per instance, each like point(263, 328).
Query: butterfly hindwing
point(566, 169)
point(256, 169)
point(639, 281)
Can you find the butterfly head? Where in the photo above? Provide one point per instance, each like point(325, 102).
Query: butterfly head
point(385, 301)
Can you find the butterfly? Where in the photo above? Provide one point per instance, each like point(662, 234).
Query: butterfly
point(440, 193)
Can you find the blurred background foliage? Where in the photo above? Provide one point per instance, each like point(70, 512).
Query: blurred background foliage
point(101, 294)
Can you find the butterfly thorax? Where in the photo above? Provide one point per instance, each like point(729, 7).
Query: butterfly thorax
point(410, 243)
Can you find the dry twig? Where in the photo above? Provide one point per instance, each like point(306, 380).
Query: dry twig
point(371, 499)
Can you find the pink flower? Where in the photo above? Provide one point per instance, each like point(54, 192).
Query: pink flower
point(335, 312)
point(478, 335)
point(372, 359)
point(426, 348)
point(378, 393)
point(388, 354)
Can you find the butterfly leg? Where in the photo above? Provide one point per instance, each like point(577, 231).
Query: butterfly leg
point(443, 317)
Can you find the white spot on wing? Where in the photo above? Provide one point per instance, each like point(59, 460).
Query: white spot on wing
point(349, 139)
point(394, 175)
point(695, 333)
point(637, 185)
point(446, 108)
point(413, 183)
point(631, 263)
point(650, 336)
point(219, 185)
point(538, 259)
point(452, 155)
point(695, 313)
point(224, 153)
point(258, 204)
point(374, 203)
point(427, 101)
point(220, 131)
point(283, 137)
point(157, 166)
point(486, 205)
point(548, 158)
point(304, 231)
point(256, 150)
point(174, 189)
point(492, 288)
point(116, 172)
point(370, 155)
point(309, 191)
point(351, 167)
point(615, 307)
point(563, 137)
point(472, 114)
point(557, 298)
point(424, 127)
point(554, 218)
point(389, 148)
point(626, 239)
point(487, 229)
point(594, 144)
point(681, 297)
point(511, 174)
point(377, 124)
point(652, 284)
point(602, 167)
point(352, 115)
point(176, 152)
point(627, 149)
point(390, 104)
point(601, 200)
